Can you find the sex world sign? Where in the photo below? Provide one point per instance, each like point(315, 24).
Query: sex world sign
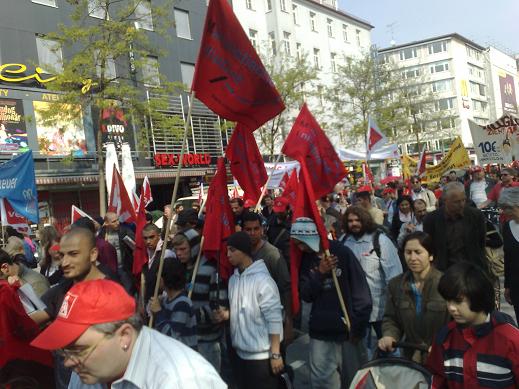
point(18, 185)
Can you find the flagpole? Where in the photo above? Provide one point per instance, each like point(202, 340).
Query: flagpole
point(264, 190)
point(346, 318)
point(195, 270)
point(173, 198)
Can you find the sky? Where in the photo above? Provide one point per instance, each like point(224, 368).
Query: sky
point(486, 22)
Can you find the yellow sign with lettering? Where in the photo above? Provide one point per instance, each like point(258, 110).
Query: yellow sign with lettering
point(10, 72)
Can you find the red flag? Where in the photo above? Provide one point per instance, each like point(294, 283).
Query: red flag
point(247, 165)
point(140, 254)
point(422, 163)
point(308, 143)
point(375, 139)
point(229, 75)
point(120, 202)
point(146, 189)
point(304, 207)
point(290, 191)
point(219, 221)
point(12, 218)
point(284, 181)
point(368, 174)
point(77, 213)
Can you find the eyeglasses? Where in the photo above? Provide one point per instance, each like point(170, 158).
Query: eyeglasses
point(79, 357)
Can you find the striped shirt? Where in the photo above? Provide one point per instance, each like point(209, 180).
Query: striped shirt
point(378, 270)
point(207, 288)
point(177, 319)
point(160, 362)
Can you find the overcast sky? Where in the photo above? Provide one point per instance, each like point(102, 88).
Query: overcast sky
point(487, 22)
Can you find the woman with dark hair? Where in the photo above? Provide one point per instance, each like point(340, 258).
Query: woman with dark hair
point(414, 310)
point(403, 214)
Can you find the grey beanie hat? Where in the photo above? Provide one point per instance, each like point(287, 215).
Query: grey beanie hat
point(304, 230)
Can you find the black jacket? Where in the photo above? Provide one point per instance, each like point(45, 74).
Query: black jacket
point(325, 317)
point(126, 251)
point(511, 251)
point(474, 234)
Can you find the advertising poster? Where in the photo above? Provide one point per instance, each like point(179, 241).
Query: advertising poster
point(497, 142)
point(64, 137)
point(13, 133)
point(114, 127)
point(508, 98)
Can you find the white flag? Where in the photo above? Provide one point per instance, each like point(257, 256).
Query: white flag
point(111, 159)
point(127, 168)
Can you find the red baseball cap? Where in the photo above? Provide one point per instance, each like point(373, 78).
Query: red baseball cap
point(388, 190)
point(364, 188)
point(280, 204)
point(249, 203)
point(85, 304)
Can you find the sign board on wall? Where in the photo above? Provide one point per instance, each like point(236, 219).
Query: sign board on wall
point(64, 137)
point(496, 142)
point(508, 97)
point(168, 160)
point(13, 133)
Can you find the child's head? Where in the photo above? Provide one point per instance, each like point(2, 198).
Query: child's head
point(468, 292)
point(174, 275)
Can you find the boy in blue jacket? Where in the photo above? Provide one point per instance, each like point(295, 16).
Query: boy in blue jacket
point(332, 347)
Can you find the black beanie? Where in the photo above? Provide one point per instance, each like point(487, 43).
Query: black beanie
point(240, 241)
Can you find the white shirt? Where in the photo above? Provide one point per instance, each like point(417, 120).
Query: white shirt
point(478, 192)
point(161, 362)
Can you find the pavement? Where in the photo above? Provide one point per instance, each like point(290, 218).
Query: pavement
point(297, 352)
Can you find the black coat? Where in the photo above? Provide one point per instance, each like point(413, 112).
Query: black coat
point(126, 251)
point(511, 251)
point(474, 233)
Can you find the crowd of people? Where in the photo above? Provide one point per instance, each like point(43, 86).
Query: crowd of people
point(413, 263)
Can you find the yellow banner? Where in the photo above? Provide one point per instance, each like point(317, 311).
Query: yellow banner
point(456, 158)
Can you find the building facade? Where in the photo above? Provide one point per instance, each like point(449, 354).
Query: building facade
point(463, 79)
point(65, 155)
point(315, 28)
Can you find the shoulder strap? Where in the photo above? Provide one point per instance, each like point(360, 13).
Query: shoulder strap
point(279, 236)
point(376, 242)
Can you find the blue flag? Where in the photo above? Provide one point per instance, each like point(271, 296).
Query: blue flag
point(18, 185)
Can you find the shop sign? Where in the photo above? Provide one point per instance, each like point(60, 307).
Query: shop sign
point(165, 160)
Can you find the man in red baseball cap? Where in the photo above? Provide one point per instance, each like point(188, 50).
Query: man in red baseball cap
point(103, 340)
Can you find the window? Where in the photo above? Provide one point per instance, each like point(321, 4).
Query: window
point(272, 40)
point(187, 70)
point(358, 36)
point(299, 50)
point(439, 67)
point(286, 42)
point(445, 123)
point(408, 53)
point(253, 36)
point(51, 3)
point(317, 62)
point(96, 9)
point(143, 15)
point(268, 5)
point(411, 73)
point(444, 104)
point(333, 62)
point(182, 24)
point(283, 5)
point(50, 57)
point(329, 27)
point(313, 22)
point(479, 105)
point(473, 53)
point(294, 14)
point(248, 4)
point(477, 89)
point(150, 71)
point(345, 32)
point(441, 86)
point(109, 70)
point(476, 72)
point(437, 47)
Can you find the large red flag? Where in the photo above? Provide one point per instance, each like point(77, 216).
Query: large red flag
point(247, 165)
point(119, 201)
point(140, 254)
point(290, 190)
point(219, 221)
point(229, 75)
point(422, 163)
point(305, 206)
point(308, 143)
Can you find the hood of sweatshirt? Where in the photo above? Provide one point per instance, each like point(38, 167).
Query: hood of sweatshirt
point(257, 267)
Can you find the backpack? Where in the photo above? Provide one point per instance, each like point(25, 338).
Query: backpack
point(376, 239)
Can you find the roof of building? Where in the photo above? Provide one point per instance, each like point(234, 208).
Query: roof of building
point(341, 13)
point(414, 43)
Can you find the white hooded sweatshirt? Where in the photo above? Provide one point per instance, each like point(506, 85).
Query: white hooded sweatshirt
point(256, 311)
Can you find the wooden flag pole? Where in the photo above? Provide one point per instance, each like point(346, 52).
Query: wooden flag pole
point(173, 198)
point(264, 190)
point(346, 318)
point(195, 270)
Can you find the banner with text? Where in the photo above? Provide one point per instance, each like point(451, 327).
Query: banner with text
point(496, 142)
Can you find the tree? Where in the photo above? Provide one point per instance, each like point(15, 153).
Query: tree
point(103, 35)
point(296, 81)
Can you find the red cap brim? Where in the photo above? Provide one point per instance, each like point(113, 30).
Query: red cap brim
point(58, 335)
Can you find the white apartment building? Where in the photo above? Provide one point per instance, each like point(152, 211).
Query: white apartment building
point(463, 77)
point(317, 28)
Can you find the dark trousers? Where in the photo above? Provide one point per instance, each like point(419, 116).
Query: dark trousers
point(252, 374)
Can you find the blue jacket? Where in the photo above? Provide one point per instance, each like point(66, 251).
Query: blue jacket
point(326, 315)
